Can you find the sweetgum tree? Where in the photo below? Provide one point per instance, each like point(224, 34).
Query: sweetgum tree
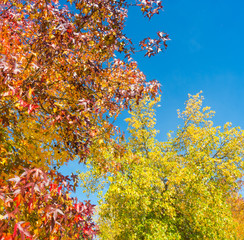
point(60, 86)
point(183, 188)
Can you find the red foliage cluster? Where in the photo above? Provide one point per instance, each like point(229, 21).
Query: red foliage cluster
point(37, 205)
point(60, 86)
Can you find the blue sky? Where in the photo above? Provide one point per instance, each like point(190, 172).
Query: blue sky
point(206, 52)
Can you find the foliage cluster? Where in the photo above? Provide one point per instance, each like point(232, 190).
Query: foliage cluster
point(182, 188)
point(60, 86)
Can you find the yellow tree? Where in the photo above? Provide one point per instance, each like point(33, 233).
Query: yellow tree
point(177, 189)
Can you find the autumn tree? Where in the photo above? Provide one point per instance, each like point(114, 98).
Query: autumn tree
point(61, 86)
point(177, 189)
point(237, 207)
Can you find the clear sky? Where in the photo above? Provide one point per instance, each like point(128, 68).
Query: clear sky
point(206, 52)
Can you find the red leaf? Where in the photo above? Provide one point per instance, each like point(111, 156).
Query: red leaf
point(17, 199)
point(31, 108)
point(15, 229)
point(59, 190)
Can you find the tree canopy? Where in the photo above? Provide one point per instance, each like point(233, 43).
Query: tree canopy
point(177, 189)
point(61, 86)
